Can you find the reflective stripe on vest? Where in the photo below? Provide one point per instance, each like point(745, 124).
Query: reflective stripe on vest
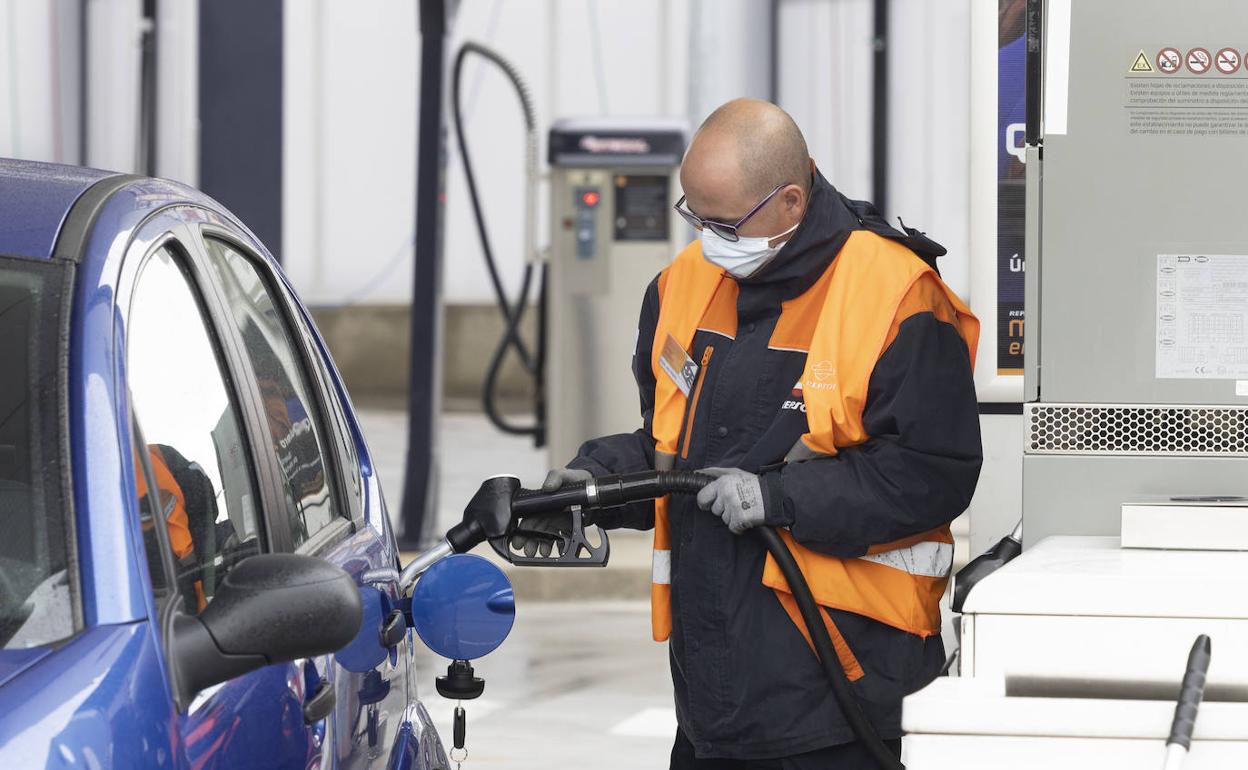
point(845, 322)
point(929, 558)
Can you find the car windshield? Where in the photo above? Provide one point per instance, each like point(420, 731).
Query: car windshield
point(36, 596)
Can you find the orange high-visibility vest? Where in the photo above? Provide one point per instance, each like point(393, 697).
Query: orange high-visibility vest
point(169, 500)
point(844, 323)
point(172, 503)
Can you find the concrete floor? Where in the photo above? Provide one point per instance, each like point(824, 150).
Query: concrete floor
point(579, 680)
point(575, 682)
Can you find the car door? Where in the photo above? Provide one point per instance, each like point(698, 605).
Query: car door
point(207, 472)
point(326, 514)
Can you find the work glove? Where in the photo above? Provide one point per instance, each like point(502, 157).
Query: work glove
point(543, 530)
point(563, 476)
point(736, 496)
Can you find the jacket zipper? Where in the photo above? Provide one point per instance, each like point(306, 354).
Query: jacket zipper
point(693, 403)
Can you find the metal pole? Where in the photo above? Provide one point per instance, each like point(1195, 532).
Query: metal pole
point(773, 64)
point(879, 109)
point(147, 92)
point(1035, 46)
point(84, 83)
point(420, 481)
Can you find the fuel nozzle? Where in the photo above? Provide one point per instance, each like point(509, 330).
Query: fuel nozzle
point(488, 514)
point(499, 509)
point(571, 548)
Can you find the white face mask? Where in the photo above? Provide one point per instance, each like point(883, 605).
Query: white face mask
point(743, 257)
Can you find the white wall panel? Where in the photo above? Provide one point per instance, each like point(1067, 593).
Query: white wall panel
point(349, 156)
point(38, 81)
point(729, 49)
point(566, 50)
point(114, 32)
point(929, 142)
point(524, 34)
point(177, 90)
point(825, 84)
point(350, 92)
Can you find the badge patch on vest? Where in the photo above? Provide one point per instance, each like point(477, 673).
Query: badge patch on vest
point(678, 365)
point(824, 376)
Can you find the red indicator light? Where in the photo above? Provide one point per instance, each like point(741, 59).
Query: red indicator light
point(590, 198)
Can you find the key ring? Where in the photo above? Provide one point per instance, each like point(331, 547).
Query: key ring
point(459, 759)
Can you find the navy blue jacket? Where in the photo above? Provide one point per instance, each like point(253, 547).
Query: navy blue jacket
point(747, 685)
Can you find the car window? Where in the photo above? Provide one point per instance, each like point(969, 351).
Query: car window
point(343, 433)
point(295, 427)
point(196, 457)
point(36, 585)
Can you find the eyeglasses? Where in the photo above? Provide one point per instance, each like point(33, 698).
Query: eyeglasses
point(722, 229)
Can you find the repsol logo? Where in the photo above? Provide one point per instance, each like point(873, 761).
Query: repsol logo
point(631, 145)
point(296, 430)
point(794, 406)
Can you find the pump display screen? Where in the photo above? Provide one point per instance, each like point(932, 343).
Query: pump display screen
point(641, 208)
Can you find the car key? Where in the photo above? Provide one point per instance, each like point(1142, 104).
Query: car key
point(459, 730)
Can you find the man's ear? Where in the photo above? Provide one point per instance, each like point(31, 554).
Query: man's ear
point(794, 198)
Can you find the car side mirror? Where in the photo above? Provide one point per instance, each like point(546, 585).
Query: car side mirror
point(271, 608)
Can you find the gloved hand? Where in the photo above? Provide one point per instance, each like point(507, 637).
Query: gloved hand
point(561, 476)
point(736, 496)
point(544, 530)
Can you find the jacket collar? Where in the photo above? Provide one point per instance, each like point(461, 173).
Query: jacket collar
point(806, 255)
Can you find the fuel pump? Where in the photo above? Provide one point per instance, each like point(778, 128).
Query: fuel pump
point(612, 183)
point(612, 230)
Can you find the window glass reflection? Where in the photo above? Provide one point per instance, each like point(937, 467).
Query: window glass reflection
point(204, 491)
point(289, 410)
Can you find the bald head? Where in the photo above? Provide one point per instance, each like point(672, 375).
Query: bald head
point(762, 140)
point(745, 149)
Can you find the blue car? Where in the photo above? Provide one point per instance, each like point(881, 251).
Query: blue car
point(196, 565)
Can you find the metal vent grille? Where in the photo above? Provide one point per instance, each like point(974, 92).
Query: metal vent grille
point(1139, 430)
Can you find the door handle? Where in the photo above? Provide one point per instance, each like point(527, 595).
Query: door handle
point(321, 704)
point(393, 629)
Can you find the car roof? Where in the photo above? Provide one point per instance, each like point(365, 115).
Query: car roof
point(34, 199)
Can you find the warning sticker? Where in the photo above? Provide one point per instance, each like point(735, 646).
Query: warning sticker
point(1156, 105)
point(1168, 60)
point(1198, 61)
point(1141, 63)
point(1202, 316)
point(1227, 61)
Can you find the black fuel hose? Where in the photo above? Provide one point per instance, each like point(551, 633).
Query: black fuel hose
point(513, 313)
point(608, 491)
point(1191, 692)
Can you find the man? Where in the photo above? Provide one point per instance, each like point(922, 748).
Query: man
point(807, 355)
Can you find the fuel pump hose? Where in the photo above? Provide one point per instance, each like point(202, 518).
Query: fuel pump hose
point(609, 491)
point(513, 312)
